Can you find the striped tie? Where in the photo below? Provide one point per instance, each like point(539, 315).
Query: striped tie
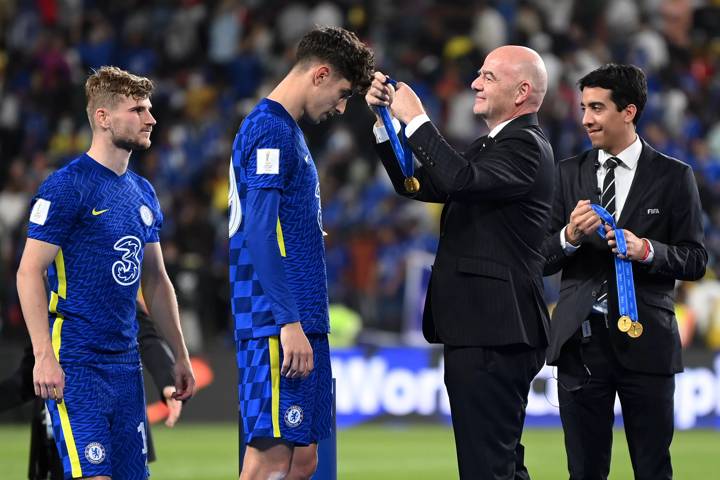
point(608, 192)
point(607, 200)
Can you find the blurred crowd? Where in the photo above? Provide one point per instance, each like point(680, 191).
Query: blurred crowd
point(212, 60)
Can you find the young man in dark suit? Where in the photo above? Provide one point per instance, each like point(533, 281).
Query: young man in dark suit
point(655, 201)
point(484, 302)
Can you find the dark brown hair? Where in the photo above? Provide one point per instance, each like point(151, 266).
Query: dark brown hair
point(343, 50)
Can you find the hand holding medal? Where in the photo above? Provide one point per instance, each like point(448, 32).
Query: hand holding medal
point(399, 144)
point(628, 322)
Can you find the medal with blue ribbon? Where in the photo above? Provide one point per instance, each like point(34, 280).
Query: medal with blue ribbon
point(400, 146)
point(627, 303)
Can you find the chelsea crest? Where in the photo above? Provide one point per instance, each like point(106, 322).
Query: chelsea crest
point(293, 416)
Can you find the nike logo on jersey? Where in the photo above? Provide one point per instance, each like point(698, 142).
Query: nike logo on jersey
point(99, 212)
point(307, 158)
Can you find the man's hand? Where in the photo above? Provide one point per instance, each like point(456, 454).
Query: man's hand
point(637, 249)
point(48, 377)
point(583, 222)
point(406, 105)
point(184, 379)
point(174, 406)
point(380, 94)
point(297, 352)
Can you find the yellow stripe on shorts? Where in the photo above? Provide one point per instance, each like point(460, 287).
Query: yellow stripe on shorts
point(56, 342)
point(274, 347)
point(69, 440)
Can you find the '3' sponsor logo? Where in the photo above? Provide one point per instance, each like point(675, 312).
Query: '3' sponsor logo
point(126, 271)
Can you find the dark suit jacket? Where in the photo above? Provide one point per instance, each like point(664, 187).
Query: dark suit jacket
point(663, 206)
point(486, 284)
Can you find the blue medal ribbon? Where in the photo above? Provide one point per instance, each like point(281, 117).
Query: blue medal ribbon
point(402, 150)
point(627, 302)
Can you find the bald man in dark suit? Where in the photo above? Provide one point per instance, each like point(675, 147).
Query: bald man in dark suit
point(484, 301)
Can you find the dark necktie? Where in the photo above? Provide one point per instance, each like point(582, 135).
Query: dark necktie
point(607, 200)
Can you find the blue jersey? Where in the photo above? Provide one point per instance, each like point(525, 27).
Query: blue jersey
point(101, 222)
point(270, 153)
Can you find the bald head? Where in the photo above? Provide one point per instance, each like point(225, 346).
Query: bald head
point(511, 82)
point(523, 64)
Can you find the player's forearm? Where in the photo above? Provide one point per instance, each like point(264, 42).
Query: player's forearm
point(33, 301)
point(162, 304)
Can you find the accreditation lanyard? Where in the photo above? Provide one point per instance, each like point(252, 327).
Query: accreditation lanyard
point(627, 303)
point(400, 146)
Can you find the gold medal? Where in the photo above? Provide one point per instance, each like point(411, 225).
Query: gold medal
point(412, 185)
point(636, 329)
point(624, 323)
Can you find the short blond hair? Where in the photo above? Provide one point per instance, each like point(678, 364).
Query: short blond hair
point(105, 87)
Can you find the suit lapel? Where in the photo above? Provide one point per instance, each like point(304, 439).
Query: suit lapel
point(642, 182)
point(484, 142)
point(589, 189)
point(588, 177)
point(523, 121)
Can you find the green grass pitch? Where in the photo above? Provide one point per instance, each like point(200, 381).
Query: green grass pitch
point(417, 452)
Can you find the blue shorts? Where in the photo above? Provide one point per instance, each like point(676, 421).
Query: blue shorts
point(273, 406)
point(100, 426)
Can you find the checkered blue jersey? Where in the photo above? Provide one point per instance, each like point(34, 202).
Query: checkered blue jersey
point(270, 157)
point(101, 221)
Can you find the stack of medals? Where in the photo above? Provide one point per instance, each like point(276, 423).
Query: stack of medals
point(402, 151)
point(627, 305)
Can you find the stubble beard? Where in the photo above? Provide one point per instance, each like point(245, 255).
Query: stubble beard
point(126, 143)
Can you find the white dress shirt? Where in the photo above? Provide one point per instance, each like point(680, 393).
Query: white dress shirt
point(382, 136)
point(624, 175)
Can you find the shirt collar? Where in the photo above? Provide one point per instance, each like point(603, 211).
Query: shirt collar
point(629, 157)
point(493, 133)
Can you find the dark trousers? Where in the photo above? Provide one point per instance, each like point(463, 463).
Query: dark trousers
point(488, 389)
point(586, 409)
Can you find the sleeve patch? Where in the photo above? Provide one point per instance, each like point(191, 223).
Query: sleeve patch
point(268, 161)
point(40, 211)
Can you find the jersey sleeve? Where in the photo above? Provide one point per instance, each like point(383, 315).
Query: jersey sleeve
point(262, 243)
point(271, 154)
point(54, 210)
